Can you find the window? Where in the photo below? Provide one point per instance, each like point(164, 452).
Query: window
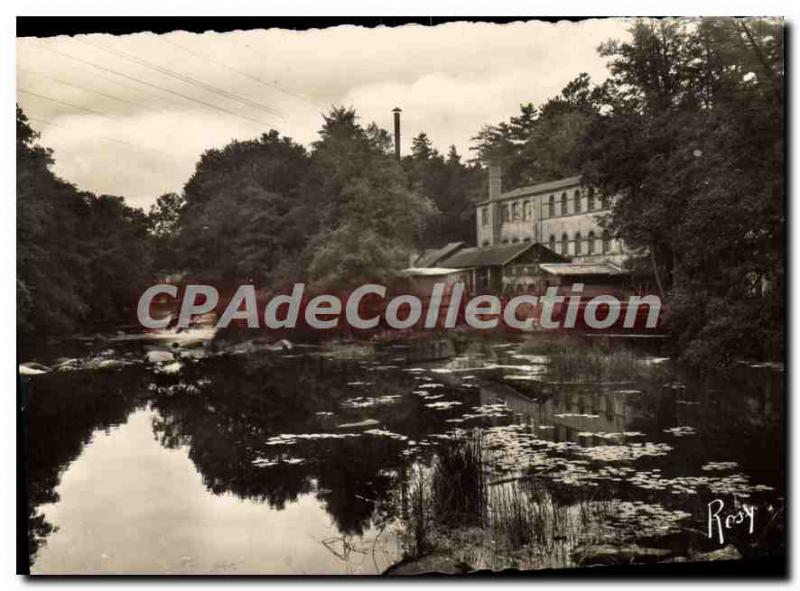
point(606, 241)
point(604, 202)
point(577, 201)
point(506, 214)
point(590, 199)
point(553, 241)
point(526, 211)
point(578, 239)
point(590, 244)
point(484, 217)
point(563, 204)
point(551, 206)
point(564, 243)
point(515, 211)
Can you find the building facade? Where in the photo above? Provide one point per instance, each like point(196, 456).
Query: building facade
point(563, 215)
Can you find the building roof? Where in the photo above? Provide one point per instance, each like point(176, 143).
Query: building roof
point(433, 256)
point(486, 257)
point(576, 269)
point(538, 188)
point(430, 271)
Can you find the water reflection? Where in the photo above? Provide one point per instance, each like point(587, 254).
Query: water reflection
point(128, 505)
point(262, 462)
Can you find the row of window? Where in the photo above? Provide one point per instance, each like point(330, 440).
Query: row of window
point(562, 246)
point(516, 212)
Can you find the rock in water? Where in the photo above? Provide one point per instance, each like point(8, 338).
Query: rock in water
point(608, 554)
point(31, 368)
point(728, 552)
point(158, 356)
point(431, 564)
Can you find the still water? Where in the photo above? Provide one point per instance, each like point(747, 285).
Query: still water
point(146, 458)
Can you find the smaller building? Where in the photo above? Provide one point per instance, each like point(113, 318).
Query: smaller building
point(433, 256)
point(423, 279)
point(511, 268)
point(597, 278)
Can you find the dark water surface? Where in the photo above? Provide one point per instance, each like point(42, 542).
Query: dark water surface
point(249, 460)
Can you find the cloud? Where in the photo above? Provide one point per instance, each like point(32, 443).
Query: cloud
point(140, 134)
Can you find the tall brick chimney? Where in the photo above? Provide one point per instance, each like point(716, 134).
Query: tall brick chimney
point(495, 190)
point(495, 180)
point(397, 112)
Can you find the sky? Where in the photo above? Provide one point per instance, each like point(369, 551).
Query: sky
point(130, 115)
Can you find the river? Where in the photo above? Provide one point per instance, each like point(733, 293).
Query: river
point(242, 458)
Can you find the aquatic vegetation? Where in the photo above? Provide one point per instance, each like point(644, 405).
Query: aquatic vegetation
point(293, 438)
point(603, 365)
point(737, 485)
point(624, 453)
point(680, 431)
point(384, 433)
point(443, 405)
point(720, 466)
point(364, 423)
point(369, 402)
point(458, 484)
point(604, 435)
point(427, 396)
point(630, 519)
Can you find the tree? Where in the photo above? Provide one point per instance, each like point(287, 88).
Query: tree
point(242, 211)
point(689, 138)
point(541, 144)
point(451, 186)
point(422, 148)
point(79, 257)
point(266, 210)
point(163, 222)
point(370, 219)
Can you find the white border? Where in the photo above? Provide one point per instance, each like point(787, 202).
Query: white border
point(322, 8)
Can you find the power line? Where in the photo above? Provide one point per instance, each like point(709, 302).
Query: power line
point(60, 102)
point(135, 87)
point(182, 77)
point(145, 83)
point(84, 89)
point(245, 74)
point(106, 138)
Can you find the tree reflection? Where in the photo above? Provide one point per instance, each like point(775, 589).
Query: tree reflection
point(61, 411)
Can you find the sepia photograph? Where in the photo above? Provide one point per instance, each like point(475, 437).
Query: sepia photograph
point(401, 296)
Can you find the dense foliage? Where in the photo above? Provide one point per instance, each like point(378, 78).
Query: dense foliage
point(81, 258)
point(452, 186)
point(690, 136)
point(270, 211)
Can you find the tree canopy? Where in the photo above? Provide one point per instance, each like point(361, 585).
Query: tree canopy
point(81, 258)
point(689, 135)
